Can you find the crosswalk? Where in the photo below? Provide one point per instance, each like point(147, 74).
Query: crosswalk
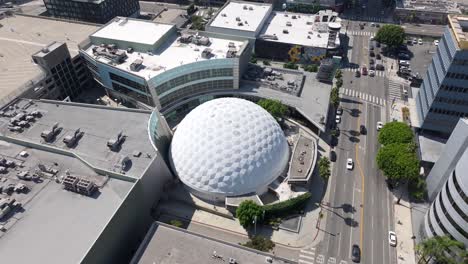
point(394, 90)
point(357, 33)
point(307, 256)
point(363, 96)
point(377, 73)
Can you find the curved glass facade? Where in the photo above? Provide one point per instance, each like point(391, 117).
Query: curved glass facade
point(194, 78)
point(159, 133)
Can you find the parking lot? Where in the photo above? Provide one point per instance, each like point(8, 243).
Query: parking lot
point(421, 56)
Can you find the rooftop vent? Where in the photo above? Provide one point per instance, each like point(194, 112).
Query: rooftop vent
point(245, 7)
point(251, 8)
point(288, 24)
point(72, 140)
point(238, 19)
point(45, 50)
point(49, 135)
point(207, 53)
point(136, 65)
point(240, 24)
point(293, 16)
point(115, 143)
point(223, 15)
point(285, 31)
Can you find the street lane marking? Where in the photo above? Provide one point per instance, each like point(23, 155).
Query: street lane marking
point(331, 260)
point(305, 261)
point(320, 259)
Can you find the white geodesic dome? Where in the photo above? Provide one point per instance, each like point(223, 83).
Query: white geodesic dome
point(228, 147)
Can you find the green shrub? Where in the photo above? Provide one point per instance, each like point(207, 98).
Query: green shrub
point(288, 207)
point(311, 68)
point(260, 243)
point(266, 63)
point(247, 212)
point(324, 168)
point(290, 65)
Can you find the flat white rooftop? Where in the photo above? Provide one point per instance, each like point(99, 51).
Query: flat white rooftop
point(302, 29)
point(171, 55)
point(131, 30)
point(242, 16)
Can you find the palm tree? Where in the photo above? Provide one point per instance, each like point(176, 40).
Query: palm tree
point(436, 248)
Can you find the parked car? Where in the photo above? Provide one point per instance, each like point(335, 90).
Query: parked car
point(362, 130)
point(403, 56)
point(338, 119)
point(392, 239)
point(404, 63)
point(420, 42)
point(371, 61)
point(358, 74)
point(339, 111)
point(371, 73)
point(378, 56)
point(372, 24)
point(379, 125)
point(349, 164)
point(372, 67)
point(364, 70)
point(415, 41)
point(372, 53)
point(356, 254)
point(378, 25)
point(436, 42)
point(379, 67)
point(332, 156)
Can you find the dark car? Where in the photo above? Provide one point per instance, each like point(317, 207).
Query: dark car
point(379, 67)
point(404, 56)
point(377, 44)
point(356, 254)
point(358, 74)
point(332, 156)
point(379, 57)
point(334, 141)
point(362, 130)
point(371, 61)
point(372, 53)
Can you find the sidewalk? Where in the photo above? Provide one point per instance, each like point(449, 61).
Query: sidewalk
point(404, 232)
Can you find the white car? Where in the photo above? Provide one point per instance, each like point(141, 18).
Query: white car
point(349, 164)
point(371, 73)
point(379, 125)
point(436, 42)
point(338, 119)
point(420, 41)
point(392, 240)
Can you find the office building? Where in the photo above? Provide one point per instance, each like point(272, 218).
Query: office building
point(281, 36)
point(94, 11)
point(78, 181)
point(443, 96)
point(425, 11)
point(146, 62)
point(26, 70)
point(448, 189)
point(167, 244)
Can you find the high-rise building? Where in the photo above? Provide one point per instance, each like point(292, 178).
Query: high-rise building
point(448, 188)
point(443, 95)
point(94, 11)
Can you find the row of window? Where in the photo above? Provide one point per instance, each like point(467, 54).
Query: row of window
point(137, 96)
point(452, 88)
point(460, 62)
point(451, 101)
point(459, 76)
point(455, 206)
point(125, 81)
point(447, 112)
point(166, 86)
point(196, 89)
point(450, 219)
point(459, 189)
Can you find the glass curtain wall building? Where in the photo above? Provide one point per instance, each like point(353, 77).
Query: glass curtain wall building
point(443, 95)
point(162, 67)
point(94, 11)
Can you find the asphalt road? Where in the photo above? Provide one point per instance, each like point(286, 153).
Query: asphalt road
point(359, 210)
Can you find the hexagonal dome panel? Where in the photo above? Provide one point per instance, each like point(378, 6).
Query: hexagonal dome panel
point(228, 147)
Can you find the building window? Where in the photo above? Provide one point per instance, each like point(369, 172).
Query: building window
point(128, 82)
point(450, 219)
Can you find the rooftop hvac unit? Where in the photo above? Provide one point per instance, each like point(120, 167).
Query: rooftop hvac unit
point(223, 15)
point(115, 143)
point(72, 140)
point(136, 65)
point(288, 24)
point(240, 24)
point(238, 19)
point(245, 7)
point(251, 8)
point(293, 16)
point(285, 31)
point(207, 53)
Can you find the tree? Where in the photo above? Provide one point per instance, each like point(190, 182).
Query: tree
point(260, 243)
point(247, 212)
point(191, 9)
point(274, 107)
point(335, 96)
point(197, 23)
point(324, 168)
point(395, 132)
point(338, 74)
point(176, 223)
point(310, 68)
point(397, 163)
point(417, 189)
point(436, 248)
point(339, 83)
point(391, 35)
